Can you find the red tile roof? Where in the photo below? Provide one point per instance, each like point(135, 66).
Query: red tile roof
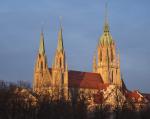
point(78, 79)
point(133, 95)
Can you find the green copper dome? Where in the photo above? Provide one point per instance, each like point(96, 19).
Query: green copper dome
point(106, 38)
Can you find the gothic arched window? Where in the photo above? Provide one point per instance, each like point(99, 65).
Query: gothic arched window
point(41, 65)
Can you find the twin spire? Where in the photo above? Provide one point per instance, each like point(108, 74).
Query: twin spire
point(60, 46)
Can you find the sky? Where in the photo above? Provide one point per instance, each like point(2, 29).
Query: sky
point(21, 22)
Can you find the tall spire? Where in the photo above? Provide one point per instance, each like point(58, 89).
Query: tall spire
point(106, 25)
point(60, 46)
point(42, 47)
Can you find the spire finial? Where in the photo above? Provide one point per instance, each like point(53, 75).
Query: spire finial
point(106, 26)
point(106, 12)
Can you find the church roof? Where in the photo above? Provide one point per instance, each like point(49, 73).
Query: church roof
point(134, 95)
point(78, 79)
point(89, 80)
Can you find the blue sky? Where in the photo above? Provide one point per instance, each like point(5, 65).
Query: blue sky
point(21, 22)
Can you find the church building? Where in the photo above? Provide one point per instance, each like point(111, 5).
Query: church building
point(59, 81)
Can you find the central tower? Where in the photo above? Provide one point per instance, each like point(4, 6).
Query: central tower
point(107, 62)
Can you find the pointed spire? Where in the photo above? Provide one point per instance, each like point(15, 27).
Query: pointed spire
point(106, 38)
point(106, 25)
point(42, 47)
point(60, 46)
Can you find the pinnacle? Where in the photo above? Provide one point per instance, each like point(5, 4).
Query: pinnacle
point(42, 47)
point(60, 46)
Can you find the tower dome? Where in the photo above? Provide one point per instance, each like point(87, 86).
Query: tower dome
point(106, 38)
